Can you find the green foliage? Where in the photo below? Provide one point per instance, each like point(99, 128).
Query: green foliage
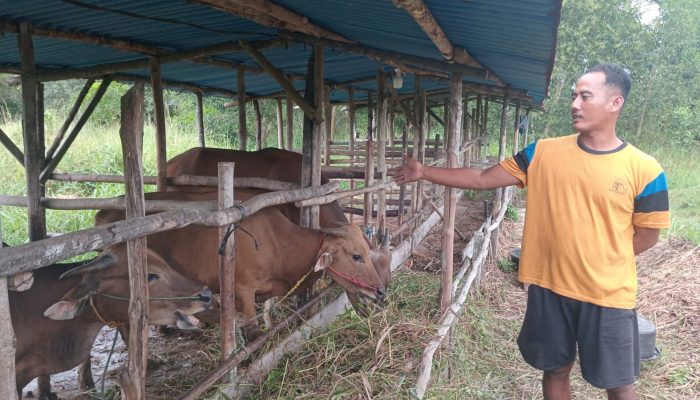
point(506, 265)
point(511, 212)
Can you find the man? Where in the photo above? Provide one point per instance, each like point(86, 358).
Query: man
point(594, 202)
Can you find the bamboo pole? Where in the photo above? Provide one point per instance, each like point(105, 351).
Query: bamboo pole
point(11, 147)
point(159, 116)
point(8, 386)
point(280, 124)
point(452, 145)
point(199, 116)
point(290, 124)
point(343, 194)
point(63, 148)
point(69, 119)
point(133, 378)
point(242, 129)
point(313, 112)
point(258, 125)
point(227, 268)
point(33, 149)
point(369, 164)
point(114, 203)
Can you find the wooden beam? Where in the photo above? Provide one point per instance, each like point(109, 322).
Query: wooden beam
point(8, 386)
point(278, 76)
point(328, 128)
point(319, 98)
point(381, 149)
point(242, 127)
point(33, 154)
point(270, 14)
point(133, 378)
point(199, 116)
point(69, 119)
point(258, 125)
point(290, 124)
point(170, 83)
point(280, 124)
point(11, 147)
point(159, 116)
point(63, 148)
point(369, 164)
point(397, 59)
point(435, 116)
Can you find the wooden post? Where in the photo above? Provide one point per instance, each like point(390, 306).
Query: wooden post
point(415, 198)
point(318, 130)
point(133, 378)
point(328, 131)
point(63, 148)
point(477, 126)
point(369, 164)
point(258, 125)
point(199, 116)
point(454, 128)
point(484, 128)
point(392, 105)
point(280, 124)
point(227, 268)
point(381, 151)
point(242, 129)
point(290, 124)
point(498, 195)
point(467, 132)
point(402, 188)
point(313, 94)
point(159, 115)
point(527, 128)
point(516, 135)
point(33, 154)
point(8, 386)
point(421, 117)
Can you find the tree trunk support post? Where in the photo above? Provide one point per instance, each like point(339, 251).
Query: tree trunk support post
point(33, 147)
point(527, 128)
point(290, 123)
point(369, 164)
point(242, 129)
point(227, 269)
point(258, 125)
point(133, 378)
point(280, 124)
point(516, 135)
point(381, 150)
point(498, 195)
point(329, 121)
point(311, 163)
point(453, 121)
point(8, 386)
point(199, 116)
point(159, 117)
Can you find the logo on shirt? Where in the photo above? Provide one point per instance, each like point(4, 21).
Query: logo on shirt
point(618, 187)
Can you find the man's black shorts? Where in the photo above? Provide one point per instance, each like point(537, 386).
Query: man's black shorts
point(608, 338)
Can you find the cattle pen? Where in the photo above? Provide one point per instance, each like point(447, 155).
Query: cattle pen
point(299, 53)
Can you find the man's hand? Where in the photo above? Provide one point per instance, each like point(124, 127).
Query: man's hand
point(410, 171)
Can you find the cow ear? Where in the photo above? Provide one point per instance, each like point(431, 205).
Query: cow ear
point(65, 309)
point(325, 260)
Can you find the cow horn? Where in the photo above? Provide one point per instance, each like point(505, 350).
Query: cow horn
point(385, 241)
point(100, 263)
point(340, 232)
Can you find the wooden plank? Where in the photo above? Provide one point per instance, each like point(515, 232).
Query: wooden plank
point(199, 116)
point(11, 147)
point(280, 124)
point(227, 268)
point(454, 127)
point(133, 378)
point(69, 118)
point(8, 386)
point(242, 129)
point(279, 77)
point(33, 148)
point(159, 116)
point(63, 148)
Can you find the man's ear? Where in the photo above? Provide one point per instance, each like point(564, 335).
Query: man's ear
point(65, 309)
point(325, 260)
point(617, 103)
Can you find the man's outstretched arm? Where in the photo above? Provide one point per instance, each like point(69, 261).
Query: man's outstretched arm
point(464, 178)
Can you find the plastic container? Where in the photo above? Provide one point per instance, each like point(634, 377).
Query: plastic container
point(647, 339)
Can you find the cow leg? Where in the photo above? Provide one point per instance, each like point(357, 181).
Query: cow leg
point(246, 299)
point(85, 380)
point(44, 387)
point(267, 312)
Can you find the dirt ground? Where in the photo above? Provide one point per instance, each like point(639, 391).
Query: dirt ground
point(669, 296)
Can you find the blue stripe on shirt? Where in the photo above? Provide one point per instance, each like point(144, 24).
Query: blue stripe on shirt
point(659, 184)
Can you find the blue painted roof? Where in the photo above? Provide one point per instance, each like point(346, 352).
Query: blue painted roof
point(515, 39)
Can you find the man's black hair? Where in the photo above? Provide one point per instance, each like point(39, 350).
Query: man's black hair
point(615, 76)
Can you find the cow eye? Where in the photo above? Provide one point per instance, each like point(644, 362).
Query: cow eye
point(152, 277)
point(358, 258)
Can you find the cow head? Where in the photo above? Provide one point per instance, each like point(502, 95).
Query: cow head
point(104, 290)
point(346, 255)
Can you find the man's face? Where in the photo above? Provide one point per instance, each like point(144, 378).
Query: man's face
point(594, 105)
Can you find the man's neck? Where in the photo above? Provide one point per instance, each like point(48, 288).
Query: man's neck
point(600, 141)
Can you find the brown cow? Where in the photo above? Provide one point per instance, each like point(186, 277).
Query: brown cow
point(269, 163)
point(273, 255)
point(78, 305)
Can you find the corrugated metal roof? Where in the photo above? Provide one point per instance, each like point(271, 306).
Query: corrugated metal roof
point(515, 40)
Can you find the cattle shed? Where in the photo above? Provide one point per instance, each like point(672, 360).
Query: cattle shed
point(385, 57)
